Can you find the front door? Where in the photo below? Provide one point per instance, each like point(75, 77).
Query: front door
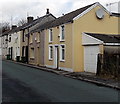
point(56, 57)
point(11, 52)
point(26, 54)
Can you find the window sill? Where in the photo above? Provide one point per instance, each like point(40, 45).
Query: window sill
point(32, 58)
point(38, 41)
point(31, 42)
point(50, 59)
point(50, 42)
point(62, 40)
point(62, 60)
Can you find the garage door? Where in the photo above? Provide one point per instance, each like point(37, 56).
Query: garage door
point(90, 58)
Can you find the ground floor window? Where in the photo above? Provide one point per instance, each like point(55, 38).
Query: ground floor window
point(32, 53)
point(50, 52)
point(62, 52)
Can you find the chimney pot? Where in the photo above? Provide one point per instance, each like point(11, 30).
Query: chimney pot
point(47, 11)
point(14, 26)
point(29, 19)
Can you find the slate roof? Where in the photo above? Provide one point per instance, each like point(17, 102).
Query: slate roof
point(36, 21)
point(64, 19)
point(26, 25)
point(5, 33)
point(116, 14)
point(106, 38)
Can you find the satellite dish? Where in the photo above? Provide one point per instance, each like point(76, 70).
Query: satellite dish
point(100, 13)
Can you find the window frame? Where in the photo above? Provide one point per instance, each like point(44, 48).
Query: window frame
point(62, 27)
point(32, 56)
point(31, 38)
point(49, 56)
point(10, 38)
point(23, 36)
point(50, 35)
point(61, 57)
point(38, 36)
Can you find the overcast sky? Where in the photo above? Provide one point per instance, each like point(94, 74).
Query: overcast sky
point(19, 9)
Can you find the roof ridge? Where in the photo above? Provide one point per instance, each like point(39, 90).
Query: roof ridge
point(78, 9)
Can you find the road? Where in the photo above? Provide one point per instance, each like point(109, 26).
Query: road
point(26, 84)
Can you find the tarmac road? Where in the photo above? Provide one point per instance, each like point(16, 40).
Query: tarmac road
point(26, 84)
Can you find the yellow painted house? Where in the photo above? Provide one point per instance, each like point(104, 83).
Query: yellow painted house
point(68, 43)
point(64, 45)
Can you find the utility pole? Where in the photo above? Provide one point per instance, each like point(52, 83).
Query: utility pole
point(11, 22)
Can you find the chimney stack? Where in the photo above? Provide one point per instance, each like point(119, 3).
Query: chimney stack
point(47, 11)
point(14, 26)
point(29, 19)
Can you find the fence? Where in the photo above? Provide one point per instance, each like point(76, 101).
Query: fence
point(108, 64)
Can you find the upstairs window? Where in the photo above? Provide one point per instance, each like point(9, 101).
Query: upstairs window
point(23, 36)
point(31, 38)
point(6, 40)
point(50, 35)
point(3, 40)
point(10, 38)
point(62, 33)
point(38, 37)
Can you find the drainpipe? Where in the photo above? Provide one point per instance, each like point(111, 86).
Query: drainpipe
point(28, 47)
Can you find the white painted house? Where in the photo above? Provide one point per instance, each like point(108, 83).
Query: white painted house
point(14, 44)
point(4, 44)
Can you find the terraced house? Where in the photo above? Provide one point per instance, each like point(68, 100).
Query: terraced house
point(28, 39)
point(72, 41)
point(36, 40)
point(14, 43)
point(4, 43)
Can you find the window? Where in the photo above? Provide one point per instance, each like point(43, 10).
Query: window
point(3, 40)
point(32, 53)
point(38, 37)
point(23, 37)
point(50, 52)
point(62, 53)
point(10, 38)
point(6, 39)
point(31, 38)
point(50, 35)
point(62, 33)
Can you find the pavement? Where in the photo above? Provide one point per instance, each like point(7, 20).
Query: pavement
point(22, 83)
point(84, 76)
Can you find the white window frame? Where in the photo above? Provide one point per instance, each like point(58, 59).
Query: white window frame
point(61, 39)
point(38, 37)
point(61, 52)
point(50, 35)
point(31, 38)
point(32, 55)
point(50, 58)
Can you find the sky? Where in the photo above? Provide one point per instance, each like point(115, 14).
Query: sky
point(14, 10)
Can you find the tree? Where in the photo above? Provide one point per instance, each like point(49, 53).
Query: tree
point(4, 26)
point(21, 22)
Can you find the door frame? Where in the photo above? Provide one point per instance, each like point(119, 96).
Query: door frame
point(95, 60)
point(56, 56)
point(11, 53)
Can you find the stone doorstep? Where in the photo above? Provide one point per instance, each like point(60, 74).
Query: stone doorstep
point(84, 76)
